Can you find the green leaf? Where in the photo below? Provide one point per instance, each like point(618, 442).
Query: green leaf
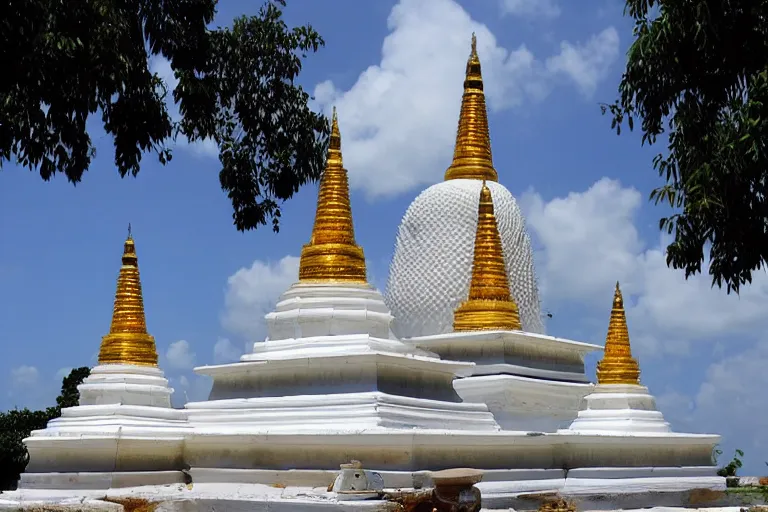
point(695, 78)
point(66, 61)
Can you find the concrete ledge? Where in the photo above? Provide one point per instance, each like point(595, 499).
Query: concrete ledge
point(99, 480)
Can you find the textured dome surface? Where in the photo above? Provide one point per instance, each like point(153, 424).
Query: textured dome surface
point(432, 265)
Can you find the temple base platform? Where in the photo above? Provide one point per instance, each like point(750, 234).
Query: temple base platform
point(209, 489)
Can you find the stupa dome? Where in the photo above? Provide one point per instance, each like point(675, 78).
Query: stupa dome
point(432, 266)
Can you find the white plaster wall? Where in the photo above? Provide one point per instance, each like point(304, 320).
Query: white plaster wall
point(311, 310)
point(127, 385)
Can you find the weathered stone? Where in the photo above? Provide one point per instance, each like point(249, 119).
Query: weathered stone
point(557, 505)
point(63, 506)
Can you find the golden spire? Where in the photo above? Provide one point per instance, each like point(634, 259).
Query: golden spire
point(128, 341)
point(490, 306)
point(332, 254)
point(472, 157)
point(618, 366)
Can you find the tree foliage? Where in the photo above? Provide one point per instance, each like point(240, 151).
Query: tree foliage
point(733, 466)
point(698, 72)
point(63, 62)
point(17, 424)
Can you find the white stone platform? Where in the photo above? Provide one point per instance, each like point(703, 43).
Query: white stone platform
point(235, 490)
point(344, 388)
point(127, 385)
point(124, 424)
point(385, 449)
point(320, 309)
point(619, 408)
point(529, 381)
point(331, 364)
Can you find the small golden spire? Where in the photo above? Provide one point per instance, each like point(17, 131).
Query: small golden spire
point(618, 366)
point(332, 254)
point(472, 158)
point(490, 306)
point(128, 341)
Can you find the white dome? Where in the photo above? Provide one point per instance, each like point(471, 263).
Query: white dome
point(432, 265)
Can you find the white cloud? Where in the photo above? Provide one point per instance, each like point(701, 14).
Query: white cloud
point(398, 120)
point(589, 63)
point(24, 375)
point(27, 390)
point(576, 228)
point(530, 8)
point(731, 401)
point(252, 293)
point(224, 351)
point(589, 241)
point(180, 355)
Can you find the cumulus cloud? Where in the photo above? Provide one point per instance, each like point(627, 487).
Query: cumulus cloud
point(24, 375)
point(731, 400)
point(530, 8)
point(572, 230)
point(398, 120)
point(588, 240)
point(224, 351)
point(252, 293)
point(587, 64)
point(26, 388)
point(180, 355)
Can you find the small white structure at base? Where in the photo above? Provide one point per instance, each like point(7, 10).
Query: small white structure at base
point(124, 423)
point(619, 408)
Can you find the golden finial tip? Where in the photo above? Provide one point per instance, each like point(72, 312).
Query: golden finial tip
point(335, 127)
point(474, 44)
point(618, 300)
point(129, 231)
point(485, 195)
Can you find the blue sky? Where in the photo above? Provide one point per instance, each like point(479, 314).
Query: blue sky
point(394, 70)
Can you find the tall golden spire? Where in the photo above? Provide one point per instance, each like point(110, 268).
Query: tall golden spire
point(490, 306)
point(332, 254)
point(618, 366)
point(128, 341)
point(472, 157)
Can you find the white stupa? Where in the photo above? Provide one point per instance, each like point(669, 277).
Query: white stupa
point(527, 379)
point(124, 431)
point(432, 262)
point(618, 402)
point(334, 411)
